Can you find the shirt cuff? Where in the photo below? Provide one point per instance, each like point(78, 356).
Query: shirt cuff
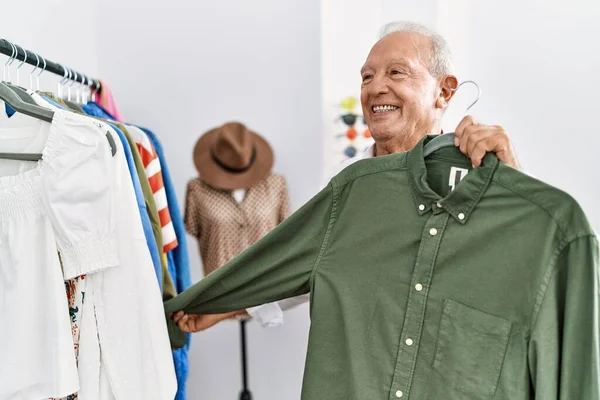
point(268, 315)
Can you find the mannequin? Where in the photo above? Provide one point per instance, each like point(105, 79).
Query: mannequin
point(235, 201)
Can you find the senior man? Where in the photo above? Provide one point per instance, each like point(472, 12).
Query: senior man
point(422, 289)
point(410, 71)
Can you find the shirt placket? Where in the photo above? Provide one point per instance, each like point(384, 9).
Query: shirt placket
point(410, 338)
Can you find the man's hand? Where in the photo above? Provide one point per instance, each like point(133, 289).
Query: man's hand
point(199, 322)
point(475, 139)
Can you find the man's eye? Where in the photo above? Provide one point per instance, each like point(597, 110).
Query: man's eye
point(396, 72)
point(367, 77)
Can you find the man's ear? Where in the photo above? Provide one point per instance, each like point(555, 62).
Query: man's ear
point(448, 86)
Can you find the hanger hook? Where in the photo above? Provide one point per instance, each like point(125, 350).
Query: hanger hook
point(37, 64)
point(7, 63)
point(22, 62)
point(69, 83)
point(478, 93)
point(37, 78)
point(60, 83)
point(84, 80)
point(10, 61)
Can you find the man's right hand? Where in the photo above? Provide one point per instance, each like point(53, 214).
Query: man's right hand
point(199, 322)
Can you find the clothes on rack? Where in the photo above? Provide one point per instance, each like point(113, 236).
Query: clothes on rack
point(153, 168)
point(443, 262)
point(84, 200)
point(178, 260)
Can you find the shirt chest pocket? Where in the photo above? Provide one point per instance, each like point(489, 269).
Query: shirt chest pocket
point(470, 349)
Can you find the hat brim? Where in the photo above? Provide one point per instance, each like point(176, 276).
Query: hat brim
point(211, 173)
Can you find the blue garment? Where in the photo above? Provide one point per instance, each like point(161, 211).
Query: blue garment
point(96, 110)
point(179, 264)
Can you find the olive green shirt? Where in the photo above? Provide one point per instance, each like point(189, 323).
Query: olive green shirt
point(487, 291)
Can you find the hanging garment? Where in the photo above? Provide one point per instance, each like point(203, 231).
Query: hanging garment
point(178, 262)
point(168, 287)
point(120, 351)
point(105, 99)
point(93, 109)
point(153, 168)
point(134, 355)
point(64, 202)
point(155, 220)
point(223, 227)
point(419, 291)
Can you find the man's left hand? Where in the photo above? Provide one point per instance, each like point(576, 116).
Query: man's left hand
point(476, 139)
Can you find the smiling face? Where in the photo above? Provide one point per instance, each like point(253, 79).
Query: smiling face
point(401, 100)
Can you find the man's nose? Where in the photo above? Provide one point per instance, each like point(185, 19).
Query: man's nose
point(379, 85)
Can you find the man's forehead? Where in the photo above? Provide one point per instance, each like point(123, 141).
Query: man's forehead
point(399, 47)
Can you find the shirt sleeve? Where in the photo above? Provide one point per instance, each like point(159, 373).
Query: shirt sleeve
point(192, 211)
point(77, 193)
point(268, 315)
point(563, 349)
point(276, 267)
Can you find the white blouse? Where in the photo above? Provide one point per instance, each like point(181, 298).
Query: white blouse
point(62, 204)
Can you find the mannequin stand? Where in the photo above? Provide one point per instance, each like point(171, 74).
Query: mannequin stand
point(245, 393)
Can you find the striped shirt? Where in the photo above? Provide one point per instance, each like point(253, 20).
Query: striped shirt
point(154, 174)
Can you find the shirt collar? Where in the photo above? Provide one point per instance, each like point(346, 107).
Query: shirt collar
point(459, 203)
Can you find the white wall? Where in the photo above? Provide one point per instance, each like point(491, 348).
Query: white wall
point(183, 66)
point(63, 31)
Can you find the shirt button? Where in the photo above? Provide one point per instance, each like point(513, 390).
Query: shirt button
point(409, 342)
point(461, 216)
point(418, 287)
point(433, 232)
point(438, 204)
point(399, 394)
point(422, 207)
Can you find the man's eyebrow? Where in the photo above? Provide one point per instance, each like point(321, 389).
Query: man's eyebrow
point(397, 61)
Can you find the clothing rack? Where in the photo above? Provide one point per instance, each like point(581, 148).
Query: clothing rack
point(29, 57)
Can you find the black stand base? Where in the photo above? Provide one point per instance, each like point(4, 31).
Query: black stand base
point(245, 393)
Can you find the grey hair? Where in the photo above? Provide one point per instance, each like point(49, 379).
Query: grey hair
point(440, 62)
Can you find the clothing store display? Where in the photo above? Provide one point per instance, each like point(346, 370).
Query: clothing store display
point(168, 288)
point(43, 206)
point(142, 188)
point(133, 359)
point(232, 157)
point(80, 235)
point(178, 261)
point(143, 210)
point(153, 168)
point(223, 227)
point(180, 356)
point(485, 289)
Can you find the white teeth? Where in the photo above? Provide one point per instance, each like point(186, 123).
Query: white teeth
point(384, 108)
